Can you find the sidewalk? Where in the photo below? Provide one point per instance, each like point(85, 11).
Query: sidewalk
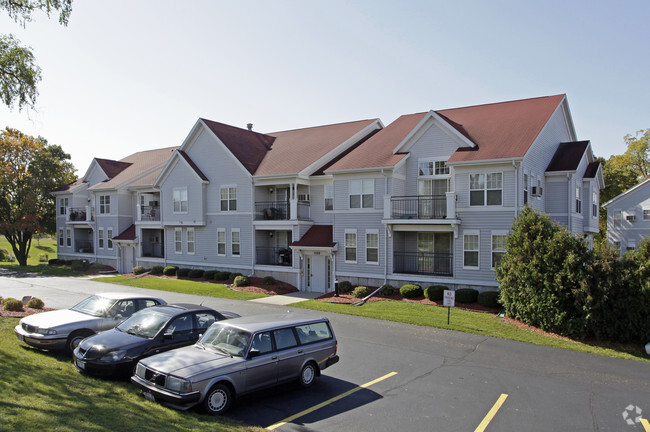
point(287, 299)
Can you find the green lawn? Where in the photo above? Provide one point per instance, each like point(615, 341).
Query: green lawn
point(42, 391)
point(183, 286)
point(43, 246)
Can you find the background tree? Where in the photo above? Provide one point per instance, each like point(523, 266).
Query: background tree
point(29, 170)
point(19, 74)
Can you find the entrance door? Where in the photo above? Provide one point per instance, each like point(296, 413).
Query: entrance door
point(128, 252)
point(316, 273)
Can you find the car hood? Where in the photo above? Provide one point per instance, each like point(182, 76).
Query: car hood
point(189, 361)
point(57, 318)
point(112, 340)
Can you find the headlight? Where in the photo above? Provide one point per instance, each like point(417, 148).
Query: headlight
point(45, 331)
point(113, 356)
point(140, 370)
point(178, 384)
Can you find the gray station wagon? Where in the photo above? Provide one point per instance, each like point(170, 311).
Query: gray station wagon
point(236, 357)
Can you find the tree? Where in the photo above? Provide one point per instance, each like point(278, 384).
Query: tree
point(19, 74)
point(29, 170)
point(621, 172)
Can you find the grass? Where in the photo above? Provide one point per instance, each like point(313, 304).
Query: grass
point(43, 391)
point(469, 322)
point(182, 286)
point(42, 246)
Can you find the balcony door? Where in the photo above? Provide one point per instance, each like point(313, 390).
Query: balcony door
point(434, 252)
point(433, 198)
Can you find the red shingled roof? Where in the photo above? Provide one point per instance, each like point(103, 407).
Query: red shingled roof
point(127, 234)
point(316, 236)
point(111, 167)
point(592, 169)
point(193, 165)
point(567, 156)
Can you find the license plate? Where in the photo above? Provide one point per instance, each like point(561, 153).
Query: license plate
point(148, 396)
point(81, 364)
point(21, 337)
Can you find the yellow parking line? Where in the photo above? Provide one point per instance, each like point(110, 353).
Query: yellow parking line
point(490, 415)
point(329, 401)
point(645, 424)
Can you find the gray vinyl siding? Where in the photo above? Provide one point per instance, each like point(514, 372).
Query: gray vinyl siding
point(317, 207)
point(362, 223)
point(632, 203)
point(461, 181)
point(96, 176)
point(342, 197)
point(556, 192)
point(181, 175)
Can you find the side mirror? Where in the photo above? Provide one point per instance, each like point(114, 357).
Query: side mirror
point(254, 352)
point(118, 317)
point(168, 336)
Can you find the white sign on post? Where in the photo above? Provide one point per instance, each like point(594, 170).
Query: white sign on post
point(449, 298)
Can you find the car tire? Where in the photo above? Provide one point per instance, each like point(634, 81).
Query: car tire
point(75, 338)
point(307, 375)
point(217, 400)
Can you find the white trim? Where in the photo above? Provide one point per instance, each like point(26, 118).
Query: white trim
point(442, 123)
point(180, 201)
point(367, 232)
point(492, 234)
point(232, 231)
point(178, 241)
point(356, 245)
point(350, 194)
point(478, 251)
point(630, 190)
point(227, 187)
point(109, 238)
point(225, 242)
point(187, 240)
point(485, 189)
point(101, 244)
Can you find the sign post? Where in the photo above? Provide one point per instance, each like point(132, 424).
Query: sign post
point(449, 301)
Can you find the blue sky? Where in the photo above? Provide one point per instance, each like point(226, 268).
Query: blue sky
point(126, 76)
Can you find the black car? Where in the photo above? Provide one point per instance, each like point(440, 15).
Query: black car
point(147, 332)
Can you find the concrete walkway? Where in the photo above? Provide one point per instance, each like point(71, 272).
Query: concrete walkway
point(287, 299)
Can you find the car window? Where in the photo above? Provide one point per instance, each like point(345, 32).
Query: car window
point(262, 342)
point(144, 324)
point(125, 308)
point(180, 325)
point(226, 339)
point(313, 332)
point(284, 338)
point(95, 305)
point(150, 302)
point(205, 319)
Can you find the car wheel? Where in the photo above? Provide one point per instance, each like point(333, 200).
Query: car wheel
point(75, 338)
point(218, 399)
point(307, 375)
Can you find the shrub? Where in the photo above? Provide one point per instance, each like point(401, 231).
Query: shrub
point(435, 292)
point(79, 265)
point(489, 299)
point(157, 270)
point(138, 270)
point(209, 274)
point(233, 276)
point(197, 273)
point(242, 281)
point(222, 276)
point(43, 258)
point(182, 272)
point(284, 287)
point(466, 295)
point(345, 287)
point(12, 304)
point(170, 271)
point(4, 255)
point(35, 303)
point(360, 292)
point(269, 280)
point(52, 262)
point(387, 290)
point(411, 291)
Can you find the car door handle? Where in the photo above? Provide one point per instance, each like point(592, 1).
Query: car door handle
point(299, 351)
point(274, 358)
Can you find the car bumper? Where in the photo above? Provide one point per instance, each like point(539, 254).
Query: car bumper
point(102, 368)
point(175, 400)
point(332, 360)
point(39, 340)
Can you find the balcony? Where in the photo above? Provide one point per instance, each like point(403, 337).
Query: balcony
point(273, 256)
point(149, 213)
point(278, 210)
point(80, 214)
point(418, 207)
point(423, 263)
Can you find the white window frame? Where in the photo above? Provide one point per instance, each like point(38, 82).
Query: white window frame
point(233, 243)
point(433, 168)
point(190, 239)
point(362, 188)
point(349, 245)
point(61, 237)
point(328, 194)
point(493, 250)
point(485, 189)
point(63, 206)
point(617, 246)
point(646, 214)
point(68, 237)
point(104, 204)
point(371, 232)
point(594, 204)
point(100, 238)
point(618, 218)
point(220, 232)
point(477, 234)
point(228, 200)
point(526, 188)
point(179, 197)
point(109, 238)
point(631, 245)
point(578, 208)
point(178, 241)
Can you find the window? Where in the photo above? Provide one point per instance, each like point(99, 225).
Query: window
point(284, 338)
point(109, 238)
point(63, 206)
point(578, 200)
point(372, 247)
point(104, 204)
point(617, 246)
point(470, 250)
point(362, 193)
point(235, 242)
point(329, 197)
point(350, 246)
point(228, 198)
point(221, 241)
point(594, 204)
point(428, 168)
point(631, 245)
point(100, 238)
point(190, 241)
point(485, 188)
point(68, 237)
point(525, 188)
point(618, 218)
point(178, 240)
point(646, 214)
point(61, 237)
point(179, 200)
point(498, 248)
point(440, 168)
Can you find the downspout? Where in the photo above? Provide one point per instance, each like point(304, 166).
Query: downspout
point(253, 251)
point(568, 208)
point(385, 232)
point(514, 164)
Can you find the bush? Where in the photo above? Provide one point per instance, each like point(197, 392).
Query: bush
point(79, 265)
point(138, 270)
point(233, 276)
point(435, 292)
point(43, 258)
point(360, 292)
point(12, 304)
point(466, 295)
point(182, 272)
point(196, 273)
point(222, 276)
point(284, 287)
point(242, 281)
point(411, 291)
point(209, 274)
point(269, 280)
point(387, 290)
point(51, 262)
point(345, 287)
point(4, 255)
point(489, 299)
point(157, 270)
point(170, 271)
point(35, 303)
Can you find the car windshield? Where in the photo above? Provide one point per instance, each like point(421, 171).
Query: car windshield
point(95, 306)
point(226, 339)
point(146, 323)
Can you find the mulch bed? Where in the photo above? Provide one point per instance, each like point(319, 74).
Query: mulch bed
point(27, 311)
point(257, 284)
